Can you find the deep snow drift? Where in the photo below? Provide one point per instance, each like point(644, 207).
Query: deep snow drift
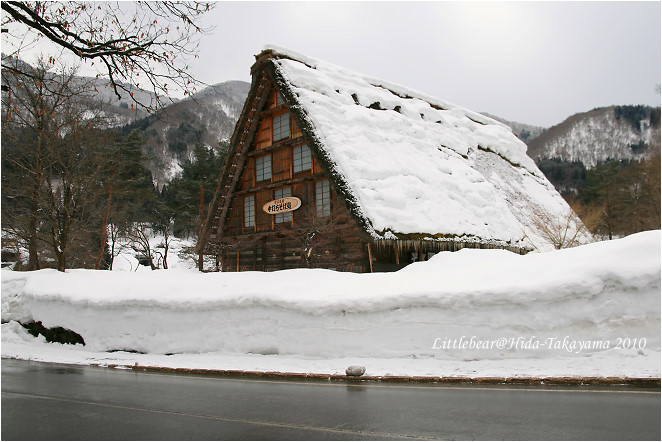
point(591, 310)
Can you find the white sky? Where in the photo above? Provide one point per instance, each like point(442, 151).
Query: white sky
point(530, 62)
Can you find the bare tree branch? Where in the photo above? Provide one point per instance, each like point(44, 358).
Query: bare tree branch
point(150, 41)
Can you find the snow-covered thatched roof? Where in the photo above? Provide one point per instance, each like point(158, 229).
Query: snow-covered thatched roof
point(414, 166)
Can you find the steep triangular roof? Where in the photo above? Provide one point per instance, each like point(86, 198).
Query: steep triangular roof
point(416, 165)
point(411, 166)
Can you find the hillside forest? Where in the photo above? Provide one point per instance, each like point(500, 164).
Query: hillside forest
point(73, 184)
point(617, 197)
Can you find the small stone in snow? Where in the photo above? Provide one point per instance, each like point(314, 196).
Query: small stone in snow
point(355, 370)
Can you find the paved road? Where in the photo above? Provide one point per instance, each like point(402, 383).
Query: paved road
point(55, 402)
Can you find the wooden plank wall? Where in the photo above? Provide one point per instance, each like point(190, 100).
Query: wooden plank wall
point(264, 134)
point(337, 245)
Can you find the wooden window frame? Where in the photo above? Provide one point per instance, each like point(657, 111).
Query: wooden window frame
point(324, 203)
point(303, 160)
point(260, 172)
point(249, 212)
point(278, 131)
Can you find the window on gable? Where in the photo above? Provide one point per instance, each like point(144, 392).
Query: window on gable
point(263, 168)
point(283, 217)
point(249, 211)
point(281, 125)
point(301, 157)
point(322, 198)
point(279, 99)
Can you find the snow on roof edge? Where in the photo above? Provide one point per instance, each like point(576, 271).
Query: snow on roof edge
point(334, 170)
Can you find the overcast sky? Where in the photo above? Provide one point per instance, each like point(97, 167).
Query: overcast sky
point(531, 62)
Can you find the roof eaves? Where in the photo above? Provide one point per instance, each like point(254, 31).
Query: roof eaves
point(238, 145)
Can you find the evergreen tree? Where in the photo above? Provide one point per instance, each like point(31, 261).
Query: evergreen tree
point(600, 190)
point(129, 191)
point(187, 195)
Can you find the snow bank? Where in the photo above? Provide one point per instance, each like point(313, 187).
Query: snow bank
point(17, 343)
point(569, 302)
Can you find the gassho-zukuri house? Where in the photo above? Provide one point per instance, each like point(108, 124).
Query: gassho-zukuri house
point(333, 169)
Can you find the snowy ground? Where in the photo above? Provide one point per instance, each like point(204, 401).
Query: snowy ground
point(589, 311)
point(179, 254)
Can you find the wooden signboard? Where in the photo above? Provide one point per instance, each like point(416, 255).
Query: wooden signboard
point(282, 205)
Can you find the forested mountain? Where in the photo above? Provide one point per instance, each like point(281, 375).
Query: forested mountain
point(172, 133)
point(608, 133)
point(606, 163)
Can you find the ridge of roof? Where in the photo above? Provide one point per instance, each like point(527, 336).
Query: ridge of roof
point(397, 89)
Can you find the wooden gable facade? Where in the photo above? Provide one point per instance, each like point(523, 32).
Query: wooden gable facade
point(275, 154)
point(270, 159)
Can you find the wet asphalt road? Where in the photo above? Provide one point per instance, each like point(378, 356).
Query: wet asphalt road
point(51, 402)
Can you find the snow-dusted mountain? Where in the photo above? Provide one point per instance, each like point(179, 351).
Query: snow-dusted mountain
point(614, 132)
point(96, 93)
point(172, 132)
point(206, 117)
point(524, 132)
point(118, 111)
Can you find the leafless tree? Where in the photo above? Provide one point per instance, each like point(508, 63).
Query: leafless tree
point(114, 233)
point(563, 232)
point(50, 173)
point(638, 201)
point(163, 247)
point(144, 44)
point(314, 240)
point(139, 236)
point(141, 239)
point(628, 199)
